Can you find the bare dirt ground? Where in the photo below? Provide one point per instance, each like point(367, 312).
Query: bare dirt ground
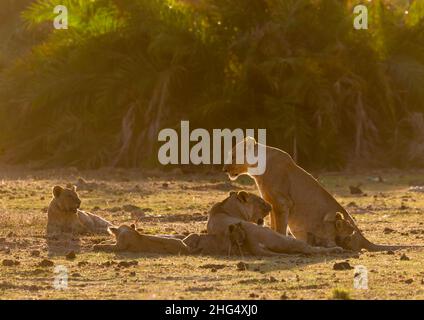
point(388, 212)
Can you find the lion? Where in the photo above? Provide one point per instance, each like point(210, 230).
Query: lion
point(211, 244)
point(130, 240)
point(262, 241)
point(238, 206)
point(63, 214)
point(300, 204)
point(240, 217)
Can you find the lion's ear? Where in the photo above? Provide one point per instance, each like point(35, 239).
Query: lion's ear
point(113, 230)
point(57, 190)
point(232, 193)
point(243, 196)
point(339, 216)
point(251, 140)
point(133, 226)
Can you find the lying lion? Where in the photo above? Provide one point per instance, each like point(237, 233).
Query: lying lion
point(64, 214)
point(129, 239)
point(239, 218)
point(262, 241)
point(300, 203)
point(238, 206)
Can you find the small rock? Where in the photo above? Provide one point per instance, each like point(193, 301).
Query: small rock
point(35, 253)
point(409, 281)
point(214, 270)
point(46, 263)
point(284, 296)
point(272, 279)
point(404, 257)
point(10, 263)
point(342, 266)
point(388, 230)
point(127, 264)
point(132, 274)
point(165, 185)
point(241, 266)
point(403, 207)
point(355, 190)
point(71, 255)
point(390, 252)
point(253, 295)
point(82, 263)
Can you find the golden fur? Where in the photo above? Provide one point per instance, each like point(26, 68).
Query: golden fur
point(129, 239)
point(237, 217)
point(262, 241)
point(63, 214)
point(300, 204)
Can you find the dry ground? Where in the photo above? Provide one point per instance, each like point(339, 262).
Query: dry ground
point(175, 203)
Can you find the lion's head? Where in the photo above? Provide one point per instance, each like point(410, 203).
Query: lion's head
point(123, 229)
point(66, 199)
point(347, 236)
point(247, 206)
point(236, 162)
point(344, 228)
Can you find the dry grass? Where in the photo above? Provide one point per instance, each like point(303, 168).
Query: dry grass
point(181, 206)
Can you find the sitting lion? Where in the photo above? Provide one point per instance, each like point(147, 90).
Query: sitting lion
point(64, 214)
point(129, 239)
point(300, 204)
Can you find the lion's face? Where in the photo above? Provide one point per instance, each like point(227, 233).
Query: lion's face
point(123, 229)
point(234, 169)
point(67, 199)
point(346, 235)
point(237, 234)
point(247, 205)
point(344, 228)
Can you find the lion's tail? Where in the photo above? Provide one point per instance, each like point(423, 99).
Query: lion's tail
point(366, 244)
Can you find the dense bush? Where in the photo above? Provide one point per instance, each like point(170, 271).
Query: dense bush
point(98, 93)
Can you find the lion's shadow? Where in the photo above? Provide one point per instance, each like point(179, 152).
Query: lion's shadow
point(290, 261)
point(59, 245)
point(252, 263)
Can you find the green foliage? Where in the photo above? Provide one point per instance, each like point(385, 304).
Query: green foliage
point(340, 294)
point(98, 93)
